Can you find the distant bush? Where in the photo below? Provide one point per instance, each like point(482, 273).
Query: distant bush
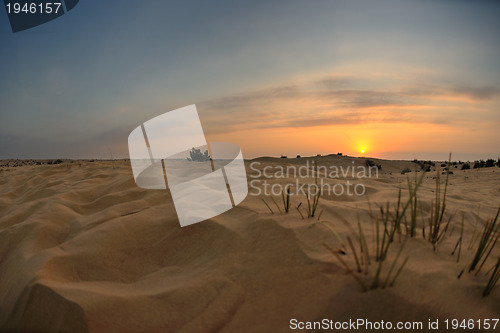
point(465, 166)
point(479, 164)
point(370, 163)
point(405, 170)
point(425, 165)
point(486, 164)
point(489, 163)
point(198, 156)
point(298, 156)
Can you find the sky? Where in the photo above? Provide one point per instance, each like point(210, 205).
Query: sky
point(397, 79)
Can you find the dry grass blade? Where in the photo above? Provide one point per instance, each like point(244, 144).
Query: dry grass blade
point(334, 233)
point(399, 271)
point(413, 209)
point(487, 254)
point(375, 282)
point(264, 201)
point(364, 245)
point(471, 244)
point(286, 199)
point(461, 240)
point(493, 279)
point(438, 208)
point(487, 238)
point(298, 209)
point(363, 286)
point(276, 204)
point(320, 213)
point(394, 264)
point(355, 254)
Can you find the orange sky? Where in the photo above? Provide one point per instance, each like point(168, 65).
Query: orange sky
point(401, 79)
point(384, 115)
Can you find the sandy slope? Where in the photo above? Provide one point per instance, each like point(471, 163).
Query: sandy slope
point(83, 249)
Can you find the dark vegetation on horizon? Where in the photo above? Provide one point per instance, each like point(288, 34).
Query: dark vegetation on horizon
point(197, 155)
point(428, 166)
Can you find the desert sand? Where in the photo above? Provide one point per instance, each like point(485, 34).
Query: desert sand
point(83, 249)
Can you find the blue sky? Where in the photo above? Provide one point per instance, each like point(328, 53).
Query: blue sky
point(293, 77)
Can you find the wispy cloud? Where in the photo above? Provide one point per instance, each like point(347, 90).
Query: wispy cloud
point(454, 90)
point(364, 98)
point(480, 93)
point(260, 97)
point(342, 100)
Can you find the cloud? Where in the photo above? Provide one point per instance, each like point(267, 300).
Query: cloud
point(254, 98)
point(477, 93)
point(343, 100)
point(337, 82)
point(365, 98)
point(453, 91)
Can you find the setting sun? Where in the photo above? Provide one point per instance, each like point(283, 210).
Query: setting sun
point(362, 151)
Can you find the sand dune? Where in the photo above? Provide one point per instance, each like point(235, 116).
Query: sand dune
point(82, 248)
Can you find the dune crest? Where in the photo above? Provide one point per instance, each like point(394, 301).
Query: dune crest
point(82, 249)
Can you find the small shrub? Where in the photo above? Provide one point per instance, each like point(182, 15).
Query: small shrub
point(489, 163)
point(479, 164)
point(370, 163)
point(425, 165)
point(465, 166)
point(198, 156)
point(405, 170)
